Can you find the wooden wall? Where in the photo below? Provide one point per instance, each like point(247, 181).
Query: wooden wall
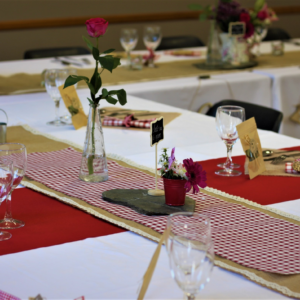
point(174, 17)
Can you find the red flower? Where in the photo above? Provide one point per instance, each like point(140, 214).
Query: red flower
point(262, 15)
point(96, 27)
point(245, 17)
point(196, 177)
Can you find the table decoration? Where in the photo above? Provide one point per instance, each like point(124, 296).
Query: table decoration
point(93, 163)
point(129, 39)
point(143, 203)
point(225, 12)
point(180, 178)
point(152, 38)
point(289, 168)
point(288, 285)
point(156, 135)
point(249, 137)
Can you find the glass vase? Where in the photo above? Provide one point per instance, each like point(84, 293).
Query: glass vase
point(93, 163)
point(213, 55)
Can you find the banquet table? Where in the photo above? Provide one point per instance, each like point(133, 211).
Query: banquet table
point(111, 266)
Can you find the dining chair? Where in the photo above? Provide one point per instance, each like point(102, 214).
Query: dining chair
point(266, 118)
point(54, 52)
point(175, 42)
point(276, 34)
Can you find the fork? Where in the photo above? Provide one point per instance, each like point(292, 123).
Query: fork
point(278, 159)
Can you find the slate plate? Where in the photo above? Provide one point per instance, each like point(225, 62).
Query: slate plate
point(141, 202)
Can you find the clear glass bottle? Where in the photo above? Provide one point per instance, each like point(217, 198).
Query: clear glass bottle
point(213, 55)
point(93, 162)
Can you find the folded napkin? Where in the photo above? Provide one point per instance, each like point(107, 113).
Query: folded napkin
point(128, 121)
point(116, 117)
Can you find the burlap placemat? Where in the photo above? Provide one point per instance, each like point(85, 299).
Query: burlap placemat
point(277, 169)
point(21, 83)
point(37, 142)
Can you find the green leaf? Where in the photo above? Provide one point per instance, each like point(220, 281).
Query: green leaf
point(259, 5)
point(109, 51)
point(111, 100)
point(104, 93)
point(96, 81)
point(202, 17)
point(107, 62)
point(95, 53)
point(117, 62)
point(73, 79)
point(91, 102)
point(91, 87)
point(121, 94)
point(88, 42)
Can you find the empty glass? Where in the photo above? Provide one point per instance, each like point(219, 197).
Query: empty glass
point(190, 250)
point(17, 154)
point(128, 39)
point(227, 118)
point(152, 38)
point(6, 180)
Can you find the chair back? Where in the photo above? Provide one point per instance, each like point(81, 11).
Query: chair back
point(266, 118)
point(175, 42)
point(54, 52)
point(276, 34)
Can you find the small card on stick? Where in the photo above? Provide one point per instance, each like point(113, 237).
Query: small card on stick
point(251, 145)
point(156, 135)
point(236, 29)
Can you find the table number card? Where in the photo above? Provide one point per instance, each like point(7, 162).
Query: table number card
point(156, 135)
point(251, 144)
point(74, 106)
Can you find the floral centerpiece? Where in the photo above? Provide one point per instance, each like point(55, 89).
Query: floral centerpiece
point(180, 178)
point(225, 12)
point(94, 165)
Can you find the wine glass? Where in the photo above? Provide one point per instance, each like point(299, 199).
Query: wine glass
point(52, 90)
point(61, 76)
point(152, 38)
point(190, 250)
point(227, 118)
point(128, 39)
point(6, 180)
point(17, 154)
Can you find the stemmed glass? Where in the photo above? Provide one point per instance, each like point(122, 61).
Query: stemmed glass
point(128, 39)
point(6, 180)
point(152, 38)
point(190, 250)
point(227, 118)
point(17, 154)
point(61, 76)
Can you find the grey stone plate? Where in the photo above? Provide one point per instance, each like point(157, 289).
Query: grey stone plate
point(140, 201)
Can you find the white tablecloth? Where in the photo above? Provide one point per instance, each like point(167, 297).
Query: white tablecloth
point(111, 267)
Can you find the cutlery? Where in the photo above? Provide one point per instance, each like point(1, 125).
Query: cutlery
point(278, 159)
point(270, 152)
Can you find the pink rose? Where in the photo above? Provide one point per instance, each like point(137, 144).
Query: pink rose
point(262, 15)
point(96, 27)
point(245, 17)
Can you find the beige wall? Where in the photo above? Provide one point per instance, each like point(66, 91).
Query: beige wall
point(15, 42)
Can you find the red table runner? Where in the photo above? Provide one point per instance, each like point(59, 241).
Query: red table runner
point(246, 236)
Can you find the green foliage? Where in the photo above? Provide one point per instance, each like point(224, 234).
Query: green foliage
point(195, 6)
point(107, 62)
point(111, 100)
point(259, 5)
point(73, 79)
point(108, 51)
point(95, 53)
point(121, 94)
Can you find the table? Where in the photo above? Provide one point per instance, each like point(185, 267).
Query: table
point(112, 266)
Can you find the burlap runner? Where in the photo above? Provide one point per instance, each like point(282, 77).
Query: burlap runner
point(36, 142)
point(21, 83)
point(278, 169)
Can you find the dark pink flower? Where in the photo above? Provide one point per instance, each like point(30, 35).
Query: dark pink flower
point(262, 15)
point(172, 157)
point(196, 176)
point(96, 27)
point(245, 17)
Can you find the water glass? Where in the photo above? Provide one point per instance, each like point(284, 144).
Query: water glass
point(129, 39)
point(227, 118)
point(190, 250)
point(152, 38)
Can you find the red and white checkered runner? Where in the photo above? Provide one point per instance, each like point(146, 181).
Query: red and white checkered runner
point(6, 296)
point(245, 236)
point(127, 122)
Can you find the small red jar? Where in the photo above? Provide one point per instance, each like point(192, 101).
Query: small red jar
point(174, 191)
